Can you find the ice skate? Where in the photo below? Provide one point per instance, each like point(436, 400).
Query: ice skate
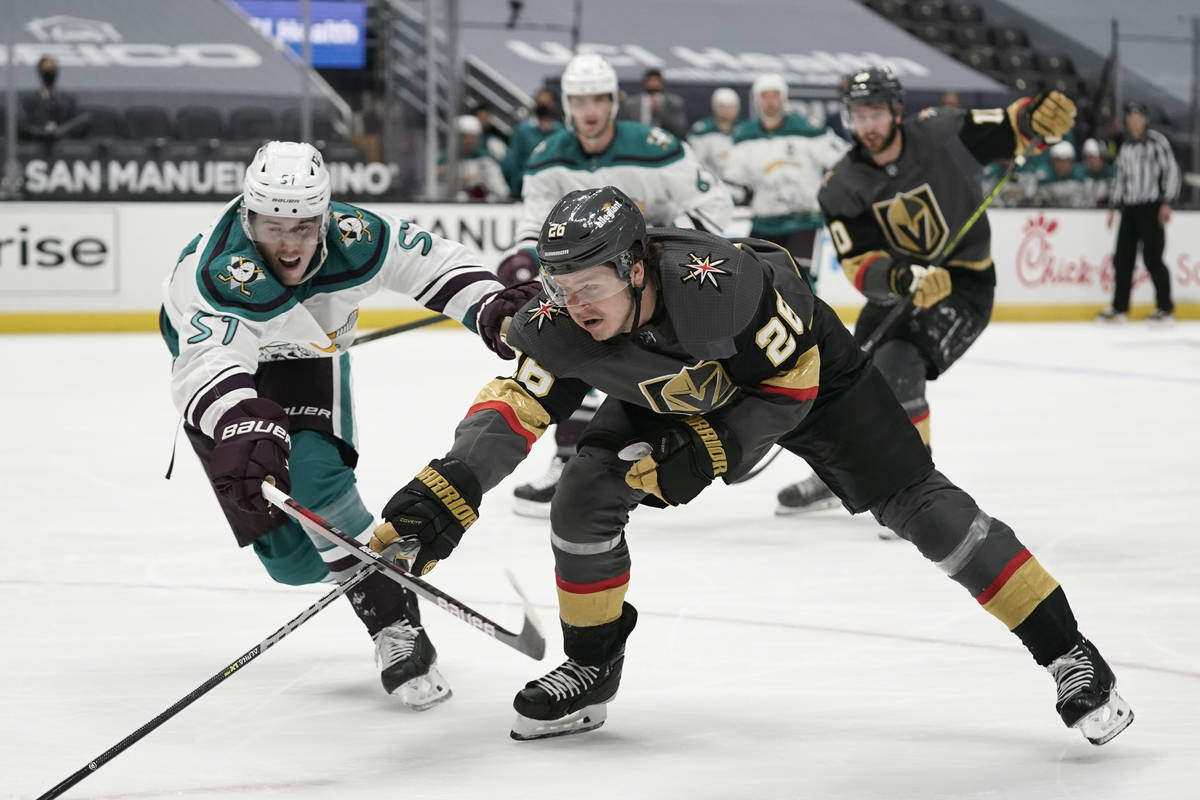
point(1087, 694)
point(1161, 316)
point(408, 664)
point(1111, 315)
point(533, 499)
point(569, 699)
point(810, 494)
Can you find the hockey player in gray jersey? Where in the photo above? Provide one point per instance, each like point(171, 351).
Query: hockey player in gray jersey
point(258, 314)
point(710, 350)
point(891, 205)
point(596, 149)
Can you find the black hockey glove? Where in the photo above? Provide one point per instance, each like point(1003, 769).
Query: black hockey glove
point(498, 307)
point(251, 444)
point(680, 460)
point(1050, 115)
point(426, 519)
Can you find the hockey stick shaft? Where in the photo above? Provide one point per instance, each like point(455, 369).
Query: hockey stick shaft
point(423, 322)
point(208, 685)
point(529, 641)
point(905, 305)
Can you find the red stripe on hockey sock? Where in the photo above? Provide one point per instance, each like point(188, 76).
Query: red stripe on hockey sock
point(510, 416)
point(1001, 579)
point(590, 588)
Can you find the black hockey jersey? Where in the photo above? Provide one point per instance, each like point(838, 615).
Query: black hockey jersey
point(909, 210)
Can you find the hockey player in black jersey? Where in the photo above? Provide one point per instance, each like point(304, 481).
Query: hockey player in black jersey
point(709, 350)
point(891, 205)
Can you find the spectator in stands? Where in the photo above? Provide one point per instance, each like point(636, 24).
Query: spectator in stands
point(1146, 184)
point(493, 138)
point(529, 133)
point(1098, 174)
point(49, 113)
point(479, 176)
point(654, 105)
point(1061, 184)
point(712, 137)
point(949, 99)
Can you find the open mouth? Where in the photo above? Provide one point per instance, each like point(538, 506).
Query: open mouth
point(289, 263)
point(591, 323)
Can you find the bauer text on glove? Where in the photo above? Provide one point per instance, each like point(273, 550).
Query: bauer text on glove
point(427, 518)
point(250, 444)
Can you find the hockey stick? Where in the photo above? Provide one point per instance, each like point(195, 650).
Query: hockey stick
point(905, 305)
point(423, 322)
point(529, 641)
point(204, 688)
point(762, 465)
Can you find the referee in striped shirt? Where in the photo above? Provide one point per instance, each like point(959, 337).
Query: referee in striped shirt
point(1147, 183)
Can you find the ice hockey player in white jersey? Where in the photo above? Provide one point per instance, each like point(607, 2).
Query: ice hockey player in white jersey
point(596, 149)
point(780, 159)
point(712, 137)
point(259, 313)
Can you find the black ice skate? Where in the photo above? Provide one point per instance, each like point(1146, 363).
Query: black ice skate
point(1111, 315)
point(533, 499)
point(568, 699)
point(408, 663)
point(1087, 694)
point(810, 494)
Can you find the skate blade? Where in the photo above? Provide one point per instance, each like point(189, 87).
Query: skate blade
point(424, 691)
point(587, 719)
point(1103, 724)
point(530, 508)
point(818, 505)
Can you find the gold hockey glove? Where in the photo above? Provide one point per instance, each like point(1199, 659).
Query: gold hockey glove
point(927, 285)
point(1049, 115)
point(680, 459)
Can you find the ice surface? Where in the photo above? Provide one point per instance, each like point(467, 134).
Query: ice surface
point(775, 657)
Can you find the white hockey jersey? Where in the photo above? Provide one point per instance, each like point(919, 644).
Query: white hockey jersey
point(224, 312)
point(647, 163)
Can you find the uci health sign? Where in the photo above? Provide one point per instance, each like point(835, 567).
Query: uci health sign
point(337, 30)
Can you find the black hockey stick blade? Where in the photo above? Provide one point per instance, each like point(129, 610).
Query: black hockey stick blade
point(423, 322)
point(529, 641)
point(203, 689)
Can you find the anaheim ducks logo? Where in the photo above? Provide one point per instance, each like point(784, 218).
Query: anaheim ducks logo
point(704, 269)
point(693, 390)
point(352, 228)
point(241, 272)
point(913, 222)
point(545, 311)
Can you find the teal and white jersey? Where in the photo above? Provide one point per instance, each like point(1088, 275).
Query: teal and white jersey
point(783, 168)
point(711, 144)
point(224, 312)
point(650, 165)
point(1062, 192)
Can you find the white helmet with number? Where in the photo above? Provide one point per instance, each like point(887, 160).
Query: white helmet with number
point(287, 179)
point(589, 73)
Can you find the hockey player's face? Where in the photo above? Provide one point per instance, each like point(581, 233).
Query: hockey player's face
point(770, 103)
point(590, 113)
point(874, 125)
point(287, 245)
point(597, 300)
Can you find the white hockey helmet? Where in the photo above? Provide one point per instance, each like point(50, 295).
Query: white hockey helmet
point(469, 125)
point(765, 83)
point(727, 97)
point(1092, 148)
point(288, 179)
point(589, 73)
point(1064, 150)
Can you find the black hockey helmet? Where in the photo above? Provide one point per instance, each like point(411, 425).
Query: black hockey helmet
point(587, 228)
point(873, 85)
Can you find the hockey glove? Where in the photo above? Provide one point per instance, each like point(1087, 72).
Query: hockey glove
point(498, 307)
point(1049, 115)
point(927, 285)
point(251, 445)
point(518, 267)
point(680, 460)
point(426, 519)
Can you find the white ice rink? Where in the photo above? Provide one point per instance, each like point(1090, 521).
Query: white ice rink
point(775, 658)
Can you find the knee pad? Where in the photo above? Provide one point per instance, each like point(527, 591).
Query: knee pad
point(904, 370)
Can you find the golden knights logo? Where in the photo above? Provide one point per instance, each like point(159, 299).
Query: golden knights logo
point(241, 272)
point(545, 311)
point(704, 269)
point(693, 390)
point(913, 222)
point(352, 228)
